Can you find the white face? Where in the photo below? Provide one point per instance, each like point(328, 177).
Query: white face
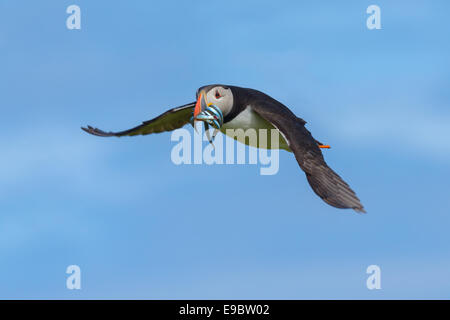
point(220, 97)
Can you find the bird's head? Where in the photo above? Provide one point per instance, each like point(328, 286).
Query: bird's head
point(213, 103)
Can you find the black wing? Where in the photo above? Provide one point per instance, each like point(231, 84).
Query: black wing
point(170, 120)
point(326, 183)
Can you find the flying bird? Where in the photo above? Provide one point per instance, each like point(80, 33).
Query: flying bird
point(229, 107)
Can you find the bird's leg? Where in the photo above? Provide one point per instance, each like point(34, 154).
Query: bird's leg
point(321, 145)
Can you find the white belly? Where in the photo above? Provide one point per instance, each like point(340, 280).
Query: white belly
point(248, 119)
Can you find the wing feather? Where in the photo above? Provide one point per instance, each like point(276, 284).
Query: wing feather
point(326, 183)
point(170, 120)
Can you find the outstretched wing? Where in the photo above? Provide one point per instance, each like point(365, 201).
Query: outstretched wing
point(170, 120)
point(326, 183)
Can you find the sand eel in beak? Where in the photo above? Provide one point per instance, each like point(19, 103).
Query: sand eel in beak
point(209, 114)
point(228, 107)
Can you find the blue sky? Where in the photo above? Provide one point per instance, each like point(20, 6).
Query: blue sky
point(130, 218)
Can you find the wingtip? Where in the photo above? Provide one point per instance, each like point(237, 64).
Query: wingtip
point(360, 210)
point(95, 131)
point(88, 129)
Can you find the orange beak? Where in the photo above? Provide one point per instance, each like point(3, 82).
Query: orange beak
point(200, 105)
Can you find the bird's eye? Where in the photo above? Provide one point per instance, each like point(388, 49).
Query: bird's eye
point(218, 95)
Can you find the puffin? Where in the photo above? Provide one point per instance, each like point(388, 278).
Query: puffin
point(226, 107)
